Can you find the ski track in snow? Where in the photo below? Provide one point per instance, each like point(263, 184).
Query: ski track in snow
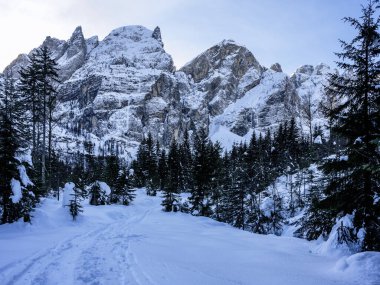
point(145, 246)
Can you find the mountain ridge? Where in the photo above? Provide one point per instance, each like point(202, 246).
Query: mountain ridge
point(126, 85)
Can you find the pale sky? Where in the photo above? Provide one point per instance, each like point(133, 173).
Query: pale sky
point(291, 32)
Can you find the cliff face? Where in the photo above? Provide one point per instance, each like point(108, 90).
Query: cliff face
point(118, 89)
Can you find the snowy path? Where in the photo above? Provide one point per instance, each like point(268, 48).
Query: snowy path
point(141, 245)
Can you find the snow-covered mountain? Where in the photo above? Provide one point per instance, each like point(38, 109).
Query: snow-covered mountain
point(118, 89)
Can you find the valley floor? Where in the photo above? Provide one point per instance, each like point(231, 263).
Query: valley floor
point(142, 245)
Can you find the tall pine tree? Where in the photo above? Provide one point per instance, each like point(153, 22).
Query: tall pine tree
point(355, 171)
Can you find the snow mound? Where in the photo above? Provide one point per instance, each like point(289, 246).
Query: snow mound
point(363, 267)
point(68, 192)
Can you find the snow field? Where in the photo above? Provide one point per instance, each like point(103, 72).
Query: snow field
point(142, 245)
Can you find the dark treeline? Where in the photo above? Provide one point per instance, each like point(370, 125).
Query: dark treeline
point(229, 186)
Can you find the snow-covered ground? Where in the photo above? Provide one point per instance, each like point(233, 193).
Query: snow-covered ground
point(140, 244)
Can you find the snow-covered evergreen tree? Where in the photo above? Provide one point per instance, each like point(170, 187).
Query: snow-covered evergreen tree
point(18, 197)
point(75, 205)
point(354, 185)
point(124, 192)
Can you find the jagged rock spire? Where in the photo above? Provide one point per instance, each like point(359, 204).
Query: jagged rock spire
point(276, 67)
point(77, 34)
point(157, 35)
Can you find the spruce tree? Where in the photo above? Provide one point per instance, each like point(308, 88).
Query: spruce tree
point(355, 171)
point(75, 205)
point(170, 201)
point(216, 183)
point(151, 167)
point(97, 195)
point(163, 171)
point(111, 173)
point(236, 194)
point(38, 84)
point(200, 194)
point(186, 160)
point(17, 200)
point(124, 192)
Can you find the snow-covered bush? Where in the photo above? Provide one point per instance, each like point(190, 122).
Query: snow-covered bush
point(342, 238)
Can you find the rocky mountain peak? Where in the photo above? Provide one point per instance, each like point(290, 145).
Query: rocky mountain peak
point(225, 56)
point(305, 69)
point(276, 67)
point(157, 35)
point(77, 34)
point(132, 46)
point(74, 54)
point(322, 69)
point(56, 46)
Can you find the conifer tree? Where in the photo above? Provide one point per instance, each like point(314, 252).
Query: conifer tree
point(186, 163)
point(163, 170)
point(355, 171)
point(38, 84)
point(111, 173)
point(17, 200)
point(97, 195)
point(216, 183)
point(236, 195)
point(170, 202)
point(151, 166)
point(75, 205)
point(200, 194)
point(124, 192)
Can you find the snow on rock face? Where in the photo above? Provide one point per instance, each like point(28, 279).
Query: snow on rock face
point(107, 96)
point(120, 88)
point(264, 105)
point(74, 55)
point(130, 47)
point(221, 75)
point(91, 43)
point(309, 82)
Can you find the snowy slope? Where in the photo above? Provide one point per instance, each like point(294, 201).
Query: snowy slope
point(140, 244)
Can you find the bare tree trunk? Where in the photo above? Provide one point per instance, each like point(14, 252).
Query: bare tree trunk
point(43, 154)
